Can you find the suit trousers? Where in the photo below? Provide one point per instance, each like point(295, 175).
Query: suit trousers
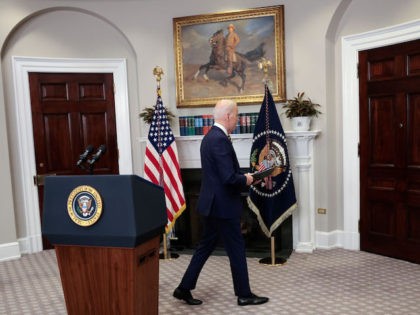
point(229, 231)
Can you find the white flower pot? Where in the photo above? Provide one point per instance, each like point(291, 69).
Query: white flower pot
point(301, 123)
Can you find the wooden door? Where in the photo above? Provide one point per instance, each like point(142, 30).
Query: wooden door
point(390, 150)
point(69, 112)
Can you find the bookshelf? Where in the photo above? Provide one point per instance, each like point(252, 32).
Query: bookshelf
point(201, 124)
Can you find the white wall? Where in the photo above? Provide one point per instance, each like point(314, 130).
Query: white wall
point(141, 32)
point(8, 239)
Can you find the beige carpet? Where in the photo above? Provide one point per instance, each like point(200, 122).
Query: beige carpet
point(325, 282)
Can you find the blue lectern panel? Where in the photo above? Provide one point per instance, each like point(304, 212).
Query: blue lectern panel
point(133, 211)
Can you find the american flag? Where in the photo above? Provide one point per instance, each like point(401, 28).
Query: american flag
point(161, 164)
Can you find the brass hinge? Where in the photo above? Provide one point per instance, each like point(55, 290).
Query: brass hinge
point(39, 180)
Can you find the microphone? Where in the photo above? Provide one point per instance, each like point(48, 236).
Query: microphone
point(85, 154)
point(98, 154)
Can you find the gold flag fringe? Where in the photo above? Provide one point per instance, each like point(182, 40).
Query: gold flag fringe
point(276, 224)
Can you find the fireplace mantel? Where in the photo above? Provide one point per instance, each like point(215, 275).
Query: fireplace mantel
point(189, 149)
point(300, 145)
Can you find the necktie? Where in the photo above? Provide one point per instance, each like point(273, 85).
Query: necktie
point(230, 139)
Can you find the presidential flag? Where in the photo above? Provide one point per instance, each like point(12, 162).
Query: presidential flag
point(161, 164)
point(272, 199)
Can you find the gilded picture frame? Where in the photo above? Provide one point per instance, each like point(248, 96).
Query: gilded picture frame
point(205, 70)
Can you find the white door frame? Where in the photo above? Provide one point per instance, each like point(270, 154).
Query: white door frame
point(32, 242)
point(351, 45)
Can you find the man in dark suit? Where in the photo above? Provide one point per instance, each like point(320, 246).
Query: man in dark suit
point(220, 205)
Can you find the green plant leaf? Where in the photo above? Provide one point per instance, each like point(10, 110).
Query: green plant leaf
point(298, 106)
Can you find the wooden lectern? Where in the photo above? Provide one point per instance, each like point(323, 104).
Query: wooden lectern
point(106, 231)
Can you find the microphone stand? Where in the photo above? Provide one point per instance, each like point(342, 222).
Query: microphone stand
point(92, 161)
point(83, 157)
point(91, 168)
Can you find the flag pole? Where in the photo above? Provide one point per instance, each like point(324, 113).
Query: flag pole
point(158, 72)
point(164, 254)
point(273, 260)
point(165, 247)
point(264, 65)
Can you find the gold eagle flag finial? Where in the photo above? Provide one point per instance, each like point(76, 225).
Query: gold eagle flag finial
point(265, 64)
point(158, 72)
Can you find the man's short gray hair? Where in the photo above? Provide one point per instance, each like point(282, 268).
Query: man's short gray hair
point(222, 108)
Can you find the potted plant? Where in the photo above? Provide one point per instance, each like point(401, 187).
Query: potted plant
point(147, 114)
point(301, 111)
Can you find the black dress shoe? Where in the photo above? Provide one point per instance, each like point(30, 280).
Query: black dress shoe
point(182, 294)
point(252, 300)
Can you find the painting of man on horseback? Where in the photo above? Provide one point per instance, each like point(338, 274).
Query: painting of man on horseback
point(224, 57)
point(220, 58)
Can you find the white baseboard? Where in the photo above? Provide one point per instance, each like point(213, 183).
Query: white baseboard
point(30, 244)
point(24, 245)
point(9, 251)
point(337, 238)
point(351, 240)
point(304, 247)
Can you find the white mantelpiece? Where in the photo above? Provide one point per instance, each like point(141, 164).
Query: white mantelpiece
point(300, 145)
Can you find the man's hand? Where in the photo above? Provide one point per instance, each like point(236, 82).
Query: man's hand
point(249, 179)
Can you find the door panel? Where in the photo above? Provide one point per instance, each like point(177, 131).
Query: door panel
point(383, 143)
point(389, 79)
point(57, 132)
point(69, 112)
point(413, 131)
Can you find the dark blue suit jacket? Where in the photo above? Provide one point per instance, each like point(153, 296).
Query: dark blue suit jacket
point(222, 182)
